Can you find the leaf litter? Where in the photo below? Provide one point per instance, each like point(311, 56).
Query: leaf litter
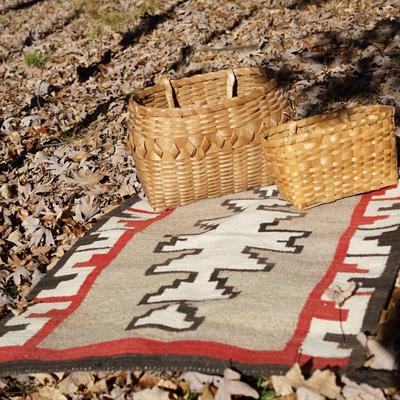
point(63, 155)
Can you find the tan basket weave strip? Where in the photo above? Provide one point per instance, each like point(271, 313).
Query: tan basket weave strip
point(210, 120)
point(208, 90)
point(324, 158)
point(180, 182)
point(208, 146)
point(214, 175)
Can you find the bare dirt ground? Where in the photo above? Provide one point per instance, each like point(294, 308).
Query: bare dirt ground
point(67, 68)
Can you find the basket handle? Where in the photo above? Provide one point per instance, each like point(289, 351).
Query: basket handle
point(231, 84)
point(293, 127)
point(261, 129)
point(170, 93)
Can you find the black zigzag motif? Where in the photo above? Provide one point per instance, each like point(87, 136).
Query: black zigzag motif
point(188, 311)
point(13, 328)
point(204, 275)
point(291, 243)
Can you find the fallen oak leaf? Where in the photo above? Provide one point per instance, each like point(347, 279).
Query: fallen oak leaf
point(206, 393)
point(69, 385)
point(79, 155)
point(44, 379)
point(14, 237)
point(4, 301)
point(154, 393)
point(4, 383)
point(41, 88)
point(40, 207)
point(227, 385)
point(324, 383)
point(231, 385)
point(19, 307)
point(84, 209)
point(59, 375)
point(88, 180)
point(18, 274)
point(41, 232)
point(382, 358)
point(197, 380)
point(99, 386)
point(48, 393)
point(121, 378)
point(295, 376)
point(148, 380)
point(303, 393)
point(31, 224)
point(354, 391)
point(6, 191)
point(118, 392)
point(339, 295)
point(281, 385)
point(40, 251)
point(36, 277)
point(167, 384)
point(321, 382)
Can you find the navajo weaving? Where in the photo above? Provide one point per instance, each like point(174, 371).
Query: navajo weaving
point(235, 281)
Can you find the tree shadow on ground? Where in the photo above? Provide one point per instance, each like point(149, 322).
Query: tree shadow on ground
point(300, 4)
point(371, 59)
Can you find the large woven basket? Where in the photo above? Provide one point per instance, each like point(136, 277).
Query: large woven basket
point(198, 137)
point(326, 157)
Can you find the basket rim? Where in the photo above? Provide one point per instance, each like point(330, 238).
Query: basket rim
point(270, 132)
point(329, 115)
point(196, 109)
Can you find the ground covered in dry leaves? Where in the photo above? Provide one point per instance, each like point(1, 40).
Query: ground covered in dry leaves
point(67, 68)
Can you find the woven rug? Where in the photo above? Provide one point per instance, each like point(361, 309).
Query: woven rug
point(236, 281)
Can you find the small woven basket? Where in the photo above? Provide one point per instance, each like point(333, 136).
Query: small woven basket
point(326, 157)
point(198, 137)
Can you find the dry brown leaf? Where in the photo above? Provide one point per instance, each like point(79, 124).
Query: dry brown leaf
point(85, 209)
point(14, 237)
point(40, 250)
point(69, 385)
point(42, 233)
point(167, 384)
point(18, 274)
point(339, 295)
point(281, 385)
point(18, 308)
point(354, 391)
point(41, 88)
point(86, 179)
point(324, 383)
point(44, 379)
point(48, 393)
point(99, 386)
point(321, 382)
point(5, 191)
point(227, 385)
point(148, 380)
point(79, 155)
point(383, 358)
point(206, 393)
point(303, 393)
point(197, 380)
point(59, 375)
point(295, 376)
point(3, 383)
point(154, 393)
